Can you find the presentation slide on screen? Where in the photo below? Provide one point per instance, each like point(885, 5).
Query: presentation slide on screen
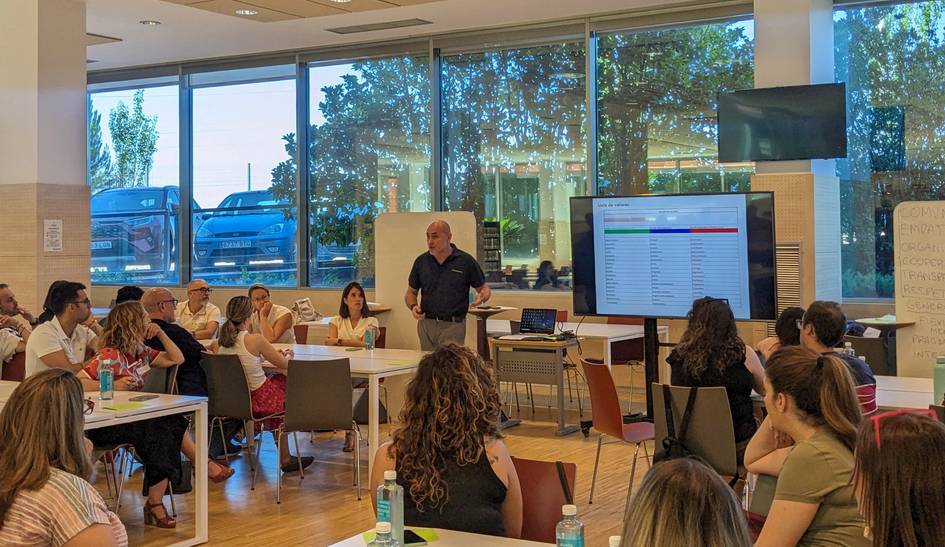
point(655, 256)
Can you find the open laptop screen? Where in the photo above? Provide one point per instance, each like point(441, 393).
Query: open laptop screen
point(538, 321)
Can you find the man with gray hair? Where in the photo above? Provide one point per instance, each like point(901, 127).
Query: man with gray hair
point(443, 277)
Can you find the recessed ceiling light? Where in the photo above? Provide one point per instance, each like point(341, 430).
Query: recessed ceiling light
point(341, 1)
point(247, 12)
point(150, 22)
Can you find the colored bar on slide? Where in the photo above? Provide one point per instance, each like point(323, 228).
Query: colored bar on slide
point(671, 231)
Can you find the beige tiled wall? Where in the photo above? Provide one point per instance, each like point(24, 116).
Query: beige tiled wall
point(25, 265)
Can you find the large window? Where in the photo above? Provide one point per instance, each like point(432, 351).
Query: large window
point(514, 151)
point(244, 220)
point(892, 59)
point(133, 149)
point(369, 152)
point(656, 108)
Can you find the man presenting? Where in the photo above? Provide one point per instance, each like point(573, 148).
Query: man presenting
point(444, 276)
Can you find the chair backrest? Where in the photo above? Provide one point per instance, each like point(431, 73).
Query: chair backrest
point(561, 316)
point(161, 380)
point(515, 327)
point(939, 411)
point(381, 341)
point(866, 394)
point(542, 496)
point(227, 390)
point(710, 434)
point(318, 396)
point(611, 320)
point(301, 334)
point(623, 351)
point(15, 369)
point(605, 406)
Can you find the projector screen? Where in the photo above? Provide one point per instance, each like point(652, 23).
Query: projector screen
point(652, 255)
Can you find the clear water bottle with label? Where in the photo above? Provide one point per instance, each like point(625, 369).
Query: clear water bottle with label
point(390, 505)
point(106, 379)
point(570, 531)
point(848, 349)
point(369, 338)
point(382, 537)
point(938, 380)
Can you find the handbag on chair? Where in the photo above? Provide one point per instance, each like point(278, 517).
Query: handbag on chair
point(673, 446)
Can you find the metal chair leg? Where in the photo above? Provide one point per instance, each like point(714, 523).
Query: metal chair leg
point(600, 439)
point(170, 490)
point(518, 408)
point(226, 453)
point(357, 459)
point(298, 454)
point(633, 471)
point(279, 469)
point(254, 458)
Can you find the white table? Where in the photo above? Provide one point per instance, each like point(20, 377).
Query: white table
point(450, 538)
point(609, 333)
point(372, 364)
point(894, 392)
point(163, 405)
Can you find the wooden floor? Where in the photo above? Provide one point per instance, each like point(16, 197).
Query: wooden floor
point(323, 508)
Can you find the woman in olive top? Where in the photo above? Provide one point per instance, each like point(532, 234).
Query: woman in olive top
point(807, 442)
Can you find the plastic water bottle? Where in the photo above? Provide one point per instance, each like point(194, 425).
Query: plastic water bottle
point(382, 537)
point(613, 541)
point(848, 349)
point(106, 379)
point(390, 505)
point(938, 380)
point(570, 531)
point(369, 338)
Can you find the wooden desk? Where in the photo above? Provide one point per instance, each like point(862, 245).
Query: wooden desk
point(450, 538)
point(372, 364)
point(163, 405)
point(535, 362)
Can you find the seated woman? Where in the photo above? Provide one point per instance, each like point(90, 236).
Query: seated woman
point(684, 502)
point(547, 278)
point(449, 455)
point(267, 394)
point(787, 331)
point(348, 328)
point(807, 442)
point(44, 496)
point(711, 354)
point(158, 442)
point(898, 478)
point(272, 321)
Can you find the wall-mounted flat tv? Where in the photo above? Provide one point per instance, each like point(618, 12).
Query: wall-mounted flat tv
point(783, 123)
point(652, 255)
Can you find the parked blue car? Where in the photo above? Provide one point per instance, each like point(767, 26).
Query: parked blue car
point(250, 230)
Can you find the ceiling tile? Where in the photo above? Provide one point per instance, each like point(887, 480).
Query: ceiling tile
point(229, 7)
point(359, 5)
point(302, 8)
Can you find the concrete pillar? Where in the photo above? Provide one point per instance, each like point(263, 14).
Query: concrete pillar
point(794, 46)
point(42, 145)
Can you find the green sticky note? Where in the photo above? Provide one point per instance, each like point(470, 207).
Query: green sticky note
point(123, 407)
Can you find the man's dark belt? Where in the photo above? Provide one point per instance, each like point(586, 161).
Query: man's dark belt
point(450, 318)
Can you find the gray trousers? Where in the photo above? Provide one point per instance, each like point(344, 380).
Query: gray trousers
point(435, 333)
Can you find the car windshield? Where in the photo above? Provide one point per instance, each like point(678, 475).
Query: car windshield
point(128, 199)
point(250, 199)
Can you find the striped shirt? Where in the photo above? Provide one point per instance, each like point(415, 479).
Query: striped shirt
point(65, 506)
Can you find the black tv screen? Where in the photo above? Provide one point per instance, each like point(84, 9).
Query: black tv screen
point(652, 255)
point(783, 123)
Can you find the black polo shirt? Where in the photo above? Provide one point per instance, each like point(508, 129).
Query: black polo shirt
point(445, 287)
point(191, 380)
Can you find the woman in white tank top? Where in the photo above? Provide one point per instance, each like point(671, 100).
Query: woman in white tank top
point(267, 394)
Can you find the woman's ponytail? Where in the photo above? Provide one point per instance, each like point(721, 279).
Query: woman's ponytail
point(839, 404)
point(238, 310)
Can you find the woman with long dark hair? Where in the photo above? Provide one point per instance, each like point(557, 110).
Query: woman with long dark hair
point(711, 354)
point(449, 455)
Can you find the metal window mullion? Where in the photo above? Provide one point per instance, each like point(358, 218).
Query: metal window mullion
point(302, 176)
point(186, 183)
point(590, 77)
point(437, 201)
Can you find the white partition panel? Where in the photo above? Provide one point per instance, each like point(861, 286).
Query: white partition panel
point(398, 239)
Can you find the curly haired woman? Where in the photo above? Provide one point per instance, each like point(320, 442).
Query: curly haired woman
point(711, 354)
point(449, 455)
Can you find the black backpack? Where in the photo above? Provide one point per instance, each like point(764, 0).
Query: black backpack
point(673, 446)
